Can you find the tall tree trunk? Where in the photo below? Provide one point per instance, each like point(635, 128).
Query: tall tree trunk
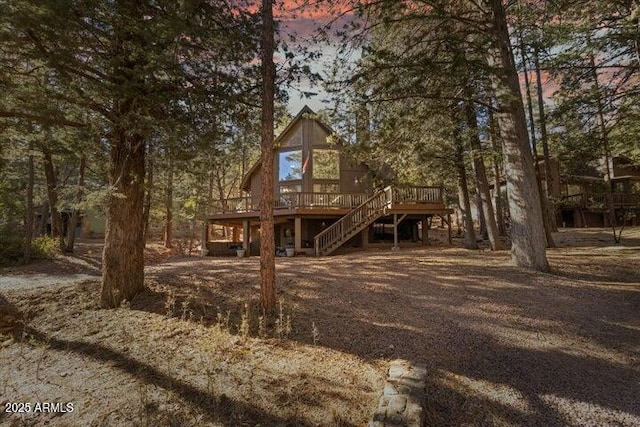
point(481, 180)
point(497, 182)
point(477, 200)
point(52, 194)
point(28, 224)
point(544, 139)
point(604, 137)
point(71, 229)
point(528, 247)
point(149, 193)
point(168, 205)
point(470, 241)
point(534, 148)
point(267, 238)
point(44, 218)
point(123, 255)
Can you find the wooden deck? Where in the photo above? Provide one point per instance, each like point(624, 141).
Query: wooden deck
point(404, 200)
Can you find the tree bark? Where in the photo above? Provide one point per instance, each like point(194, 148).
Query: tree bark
point(497, 182)
point(544, 139)
point(149, 193)
point(534, 145)
point(44, 218)
point(71, 229)
point(123, 255)
point(528, 247)
point(29, 220)
point(481, 180)
point(477, 199)
point(52, 194)
point(604, 136)
point(470, 241)
point(168, 205)
point(267, 238)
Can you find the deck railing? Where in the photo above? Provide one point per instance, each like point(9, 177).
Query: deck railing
point(599, 200)
point(302, 200)
point(416, 195)
point(290, 201)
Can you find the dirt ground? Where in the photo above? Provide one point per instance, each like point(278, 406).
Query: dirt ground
point(503, 346)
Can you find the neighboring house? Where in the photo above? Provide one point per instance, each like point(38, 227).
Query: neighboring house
point(324, 201)
point(90, 224)
point(584, 203)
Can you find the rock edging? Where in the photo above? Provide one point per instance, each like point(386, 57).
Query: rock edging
point(403, 398)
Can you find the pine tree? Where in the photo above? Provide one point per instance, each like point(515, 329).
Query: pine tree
point(126, 67)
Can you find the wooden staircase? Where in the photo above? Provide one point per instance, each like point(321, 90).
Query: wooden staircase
point(352, 223)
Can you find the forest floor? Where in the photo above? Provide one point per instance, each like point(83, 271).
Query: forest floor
point(502, 346)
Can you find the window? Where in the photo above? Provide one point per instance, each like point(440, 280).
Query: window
point(325, 188)
point(326, 164)
point(295, 188)
point(290, 165)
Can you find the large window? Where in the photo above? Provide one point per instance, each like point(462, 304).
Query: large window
point(325, 188)
point(326, 164)
point(290, 166)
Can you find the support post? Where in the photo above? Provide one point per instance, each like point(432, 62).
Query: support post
point(365, 237)
point(449, 225)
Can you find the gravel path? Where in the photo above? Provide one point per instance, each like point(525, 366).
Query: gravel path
point(41, 280)
point(502, 346)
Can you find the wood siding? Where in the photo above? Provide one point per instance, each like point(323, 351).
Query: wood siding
point(306, 135)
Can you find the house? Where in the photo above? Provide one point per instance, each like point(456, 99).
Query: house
point(324, 201)
point(583, 202)
point(90, 222)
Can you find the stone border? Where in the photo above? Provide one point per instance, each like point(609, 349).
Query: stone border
point(403, 398)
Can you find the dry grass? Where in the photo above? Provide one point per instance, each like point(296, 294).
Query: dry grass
point(503, 346)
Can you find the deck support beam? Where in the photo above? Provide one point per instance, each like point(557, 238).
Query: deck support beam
point(365, 237)
point(396, 221)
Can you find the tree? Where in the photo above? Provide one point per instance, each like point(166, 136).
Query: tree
point(527, 230)
point(130, 66)
point(431, 51)
point(267, 238)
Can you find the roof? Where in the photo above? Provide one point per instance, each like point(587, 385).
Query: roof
point(246, 181)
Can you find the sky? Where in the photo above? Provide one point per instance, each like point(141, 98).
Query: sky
point(302, 22)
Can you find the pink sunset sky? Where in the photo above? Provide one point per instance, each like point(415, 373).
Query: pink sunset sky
point(303, 21)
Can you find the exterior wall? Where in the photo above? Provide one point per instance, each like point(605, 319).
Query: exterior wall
point(93, 224)
point(256, 185)
point(307, 135)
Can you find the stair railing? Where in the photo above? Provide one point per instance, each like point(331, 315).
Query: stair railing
point(360, 216)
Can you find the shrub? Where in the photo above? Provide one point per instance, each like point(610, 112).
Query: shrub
point(11, 245)
point(45, 247)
